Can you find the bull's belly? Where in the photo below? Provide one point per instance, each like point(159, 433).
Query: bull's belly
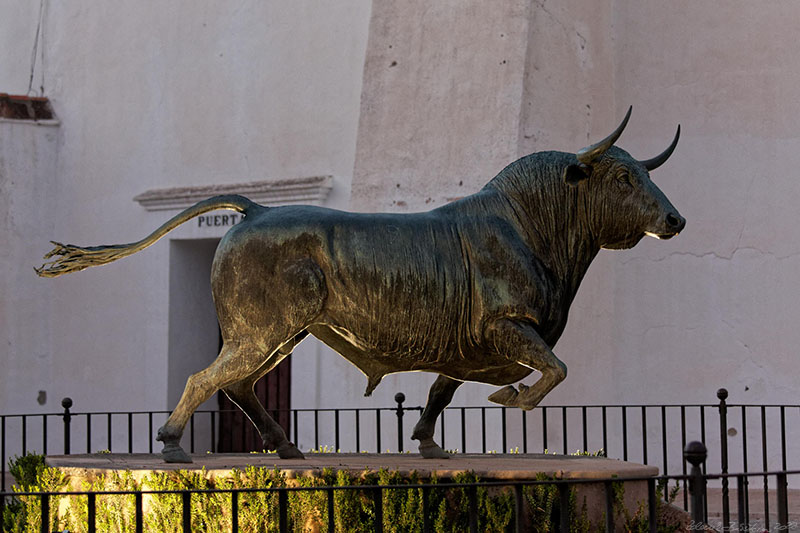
point(395, 348)
point(502, 373)
point(482, 366)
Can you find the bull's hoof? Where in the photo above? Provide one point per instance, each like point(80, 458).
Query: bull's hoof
point(506, 396)
point(430, 450)
point(526, 404)
point(287, 450)
point(172, 453)
point(166, 435)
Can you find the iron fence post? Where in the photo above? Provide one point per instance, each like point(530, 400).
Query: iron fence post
point(186, 504)
point(427, 527)
point(283, 511)
point(331, 511)
point(66, 403)
point(741, 507)
point(652, 506)
point(235, 511)
point(472, 498)
point(45, 513)
point(91, 512)
point(377, 497)
point(783, 502)
point(722, 394)
point(695, 453)
point(609, 490)
point(399, 398)
point(519, 525)
point(565, 518)
point(139, 512)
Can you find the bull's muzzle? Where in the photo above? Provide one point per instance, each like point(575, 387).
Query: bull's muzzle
point(673, 224)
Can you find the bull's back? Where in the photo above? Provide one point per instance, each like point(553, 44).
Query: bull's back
point(394, 284)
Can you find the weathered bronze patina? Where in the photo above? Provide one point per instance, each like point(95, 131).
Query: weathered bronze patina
point(476, 290)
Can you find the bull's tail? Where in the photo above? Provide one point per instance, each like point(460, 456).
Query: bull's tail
point(75, 258)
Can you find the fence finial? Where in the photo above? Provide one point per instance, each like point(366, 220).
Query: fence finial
point(722, 394)
point(399, 398)
point(66, 403)
point(696, 454)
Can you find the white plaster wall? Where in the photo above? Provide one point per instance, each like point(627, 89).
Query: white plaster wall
point(474, 87)
point(667, 321)
point(440, 115)
point(671, 322)
point(732, 80)
point(27, 166)
point(440, 105)
point(730, 76)
point(155, 95)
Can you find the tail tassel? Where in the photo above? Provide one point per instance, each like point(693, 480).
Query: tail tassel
point(74, 258)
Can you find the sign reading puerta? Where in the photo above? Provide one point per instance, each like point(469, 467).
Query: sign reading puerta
point(207, 221)
point(475, 290)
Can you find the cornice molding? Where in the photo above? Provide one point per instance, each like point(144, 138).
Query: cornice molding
point(311, 190)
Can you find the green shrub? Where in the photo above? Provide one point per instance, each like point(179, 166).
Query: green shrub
point(24, 513)
point(639, 522)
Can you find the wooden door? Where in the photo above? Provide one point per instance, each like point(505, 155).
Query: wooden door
point(236, 432)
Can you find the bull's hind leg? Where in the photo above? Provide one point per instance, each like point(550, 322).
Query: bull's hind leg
point(520, 342)
point(242, 394)
point(232, 365)
point(439, 397)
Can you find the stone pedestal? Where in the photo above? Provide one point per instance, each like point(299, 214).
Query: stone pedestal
point(488, 467)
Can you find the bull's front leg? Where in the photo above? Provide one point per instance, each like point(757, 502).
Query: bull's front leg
point(519, 342)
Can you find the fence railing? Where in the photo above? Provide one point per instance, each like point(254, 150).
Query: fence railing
point(740, 435)
point(328, 514)
point(653, 434)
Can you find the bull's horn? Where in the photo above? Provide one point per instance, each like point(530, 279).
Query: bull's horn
point(657, 161)
point(590, 153)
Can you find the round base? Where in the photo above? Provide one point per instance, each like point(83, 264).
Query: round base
point(81, 469)
point(494, 466)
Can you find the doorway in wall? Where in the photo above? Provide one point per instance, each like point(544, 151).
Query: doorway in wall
point(236, 432)
point(194, 342)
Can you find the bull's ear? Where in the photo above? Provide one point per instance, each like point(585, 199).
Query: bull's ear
point(576, 173)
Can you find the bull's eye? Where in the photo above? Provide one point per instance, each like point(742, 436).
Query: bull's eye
point(624, 178)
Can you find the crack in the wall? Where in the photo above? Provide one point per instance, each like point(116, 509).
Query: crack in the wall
point(641, 333)
point(557, 20)
point(647, 330)
point(746, 211)
point(715, 255)
point(751, 356)
point(549, 13)
point(579, 46)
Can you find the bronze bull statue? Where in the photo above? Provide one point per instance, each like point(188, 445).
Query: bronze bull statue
point(476, 290)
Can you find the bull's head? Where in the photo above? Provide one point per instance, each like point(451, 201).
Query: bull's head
point(623, 204)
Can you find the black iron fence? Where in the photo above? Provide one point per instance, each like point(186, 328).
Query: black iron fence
point(742, 437)
point(564, 515)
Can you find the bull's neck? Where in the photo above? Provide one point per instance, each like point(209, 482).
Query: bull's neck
point(551, 216)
